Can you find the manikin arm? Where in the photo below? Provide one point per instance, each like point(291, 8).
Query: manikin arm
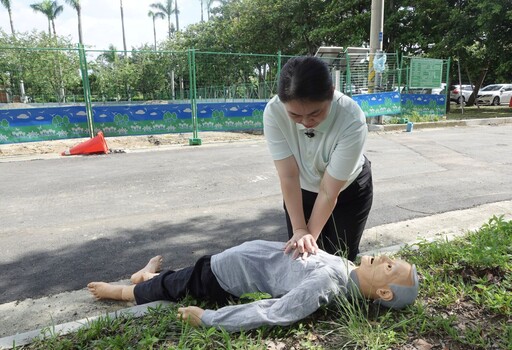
point(297, 304)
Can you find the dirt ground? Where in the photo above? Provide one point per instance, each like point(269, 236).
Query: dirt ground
point(125, 143)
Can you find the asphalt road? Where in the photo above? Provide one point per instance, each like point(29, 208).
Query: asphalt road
point(70, 220)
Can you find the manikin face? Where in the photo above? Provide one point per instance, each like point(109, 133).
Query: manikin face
point(375, 274)
point(308, 113)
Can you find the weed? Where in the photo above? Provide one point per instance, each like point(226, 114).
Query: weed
point(465, 302)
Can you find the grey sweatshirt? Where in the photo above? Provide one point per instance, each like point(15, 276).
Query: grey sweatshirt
point(298, 287)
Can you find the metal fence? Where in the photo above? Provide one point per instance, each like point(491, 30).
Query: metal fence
point(56, 93)
point(56, 75)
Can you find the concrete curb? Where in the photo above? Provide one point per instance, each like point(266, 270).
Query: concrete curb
point(371, 127)
point(434, 227)
point(441, 124)
point(70, 327)
point(440, 226)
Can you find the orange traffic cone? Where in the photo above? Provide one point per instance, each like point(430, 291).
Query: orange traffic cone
point(95, 145)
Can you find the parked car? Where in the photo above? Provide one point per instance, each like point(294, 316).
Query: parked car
point(460, 93)
point(440, 90)
point(495, 94)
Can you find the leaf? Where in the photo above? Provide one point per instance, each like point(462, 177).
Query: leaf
point(255, 296)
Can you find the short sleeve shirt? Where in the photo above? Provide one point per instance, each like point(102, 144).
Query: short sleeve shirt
point(337, 146)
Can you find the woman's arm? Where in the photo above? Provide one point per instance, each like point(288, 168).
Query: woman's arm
point(324, 203)
point(301, 242)
point(288, 172)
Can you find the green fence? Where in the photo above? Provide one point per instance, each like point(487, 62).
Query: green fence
point(127, 93)
point(74, 92)
point(425, 91)
point(55, 75)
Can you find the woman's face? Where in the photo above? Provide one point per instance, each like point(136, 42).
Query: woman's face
point(308, 113)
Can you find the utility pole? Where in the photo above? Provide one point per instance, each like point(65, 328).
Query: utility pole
point(376, 37)
point(122, 24)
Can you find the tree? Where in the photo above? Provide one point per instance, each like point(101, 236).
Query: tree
point(114, 76)
point(150, 73)
point(154, 16)
point(209, 4)
point(167, 10)
point(7, 5)
point(475, 33)
point(346, 23)
point(51, 9)
point(32, 66)
point(75, 4)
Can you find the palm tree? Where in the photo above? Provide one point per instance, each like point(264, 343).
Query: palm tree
point(202, 20)
point(45, 8)
point(7, 5)
point(154, 16)
point(208, 8)
point(109, 56)
point(177, 12)
point(78, 8)
point(167, 10)
point(51, 9)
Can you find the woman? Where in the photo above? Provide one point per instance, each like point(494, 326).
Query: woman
point(316, 136)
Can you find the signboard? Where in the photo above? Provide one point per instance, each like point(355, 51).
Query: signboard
point(425, 73)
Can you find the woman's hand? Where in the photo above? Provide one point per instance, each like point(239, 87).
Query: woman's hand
point(191, 314)
point(303, 243)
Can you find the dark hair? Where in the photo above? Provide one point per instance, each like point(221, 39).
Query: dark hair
point(305, 78)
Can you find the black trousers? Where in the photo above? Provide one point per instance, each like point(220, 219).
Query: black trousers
point(197, 281)
point(342, 233)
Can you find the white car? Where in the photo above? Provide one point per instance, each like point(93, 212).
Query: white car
point(495, 94)
point(460, 93)
point(440, 90)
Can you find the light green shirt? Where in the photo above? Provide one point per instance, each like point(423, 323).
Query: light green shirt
point(337, 146)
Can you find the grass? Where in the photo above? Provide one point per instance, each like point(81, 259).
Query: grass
point(465, 302)
point(474, 112)
point(457, 113)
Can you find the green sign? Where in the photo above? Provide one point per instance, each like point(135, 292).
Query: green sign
point(425, 73)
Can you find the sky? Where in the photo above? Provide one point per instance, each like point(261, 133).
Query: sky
point(101, 21)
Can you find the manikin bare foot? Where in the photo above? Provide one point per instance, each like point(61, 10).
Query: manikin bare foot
point(102, 290)
point(149, 271)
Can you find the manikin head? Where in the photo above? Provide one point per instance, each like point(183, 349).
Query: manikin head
point(306, 90)
point(390, 282)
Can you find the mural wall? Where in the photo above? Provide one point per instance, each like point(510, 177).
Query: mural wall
point(423, 104)
point(373, 105)
point(53, 123)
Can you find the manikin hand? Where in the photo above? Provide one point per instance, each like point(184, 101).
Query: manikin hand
point(303, 243)
point(191, 314)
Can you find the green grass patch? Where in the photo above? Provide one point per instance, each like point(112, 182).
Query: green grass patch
point(456, 113)
point(474, 112)
point(465, 303)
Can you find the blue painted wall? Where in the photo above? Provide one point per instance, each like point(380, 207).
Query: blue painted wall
point(52, 123)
